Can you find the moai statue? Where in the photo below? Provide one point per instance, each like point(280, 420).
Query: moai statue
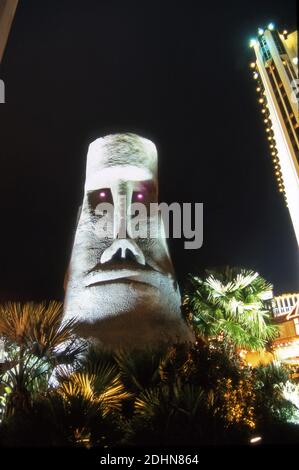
point(121, 287)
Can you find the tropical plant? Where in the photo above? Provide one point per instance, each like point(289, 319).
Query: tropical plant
point(84, 408)
point(176, 395)
point(291, 393)
point(271, 403)
point(90, 399)
point(171, 414)
point(228, 305)
point(185, 404)
point(35, 342)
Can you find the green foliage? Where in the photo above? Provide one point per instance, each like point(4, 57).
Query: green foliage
point(229, 305)
point(271, 405)
point(178, 395)
point(35, 342)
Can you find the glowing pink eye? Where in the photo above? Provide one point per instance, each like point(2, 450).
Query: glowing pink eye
point(102, 194)
point(139, 196)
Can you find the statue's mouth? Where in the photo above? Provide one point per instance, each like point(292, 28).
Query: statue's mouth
point(131, 283)
point(139, 274)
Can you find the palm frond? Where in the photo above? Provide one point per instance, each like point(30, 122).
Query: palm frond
point(230, 303)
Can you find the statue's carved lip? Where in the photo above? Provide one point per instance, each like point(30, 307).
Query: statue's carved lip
point(124, 280)
point(126, 264)
point(145, 276)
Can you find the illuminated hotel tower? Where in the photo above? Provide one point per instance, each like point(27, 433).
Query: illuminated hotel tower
point(276, 73)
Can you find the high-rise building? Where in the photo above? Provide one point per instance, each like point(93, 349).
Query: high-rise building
point(275, 71)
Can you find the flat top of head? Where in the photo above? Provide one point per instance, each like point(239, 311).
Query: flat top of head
point(127, 154)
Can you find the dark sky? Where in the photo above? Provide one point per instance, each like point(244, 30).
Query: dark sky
point(174, 71)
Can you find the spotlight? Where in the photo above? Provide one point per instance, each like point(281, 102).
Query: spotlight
point(253, 440)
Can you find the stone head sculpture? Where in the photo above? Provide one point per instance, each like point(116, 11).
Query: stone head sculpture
point(121, 287)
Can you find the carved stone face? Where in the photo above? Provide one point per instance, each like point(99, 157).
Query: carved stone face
point(121, 288)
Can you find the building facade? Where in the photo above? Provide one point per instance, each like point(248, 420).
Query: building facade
point(275, 71)
point(285, 347)
point(285, 310)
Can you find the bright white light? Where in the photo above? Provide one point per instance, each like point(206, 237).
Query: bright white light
point(252, 42)
point(271, 26)
point(255, 439)
point(295, 60)
point(260, 31)
point(255, 75)
point(288, 352)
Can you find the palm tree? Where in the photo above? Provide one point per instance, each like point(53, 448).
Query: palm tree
point(229, 305)
point(87, 403)
point(140, 369)
point(35, 342)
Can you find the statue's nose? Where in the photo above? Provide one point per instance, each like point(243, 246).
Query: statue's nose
point(126, 248)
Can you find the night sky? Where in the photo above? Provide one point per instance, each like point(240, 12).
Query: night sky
point(173, 71)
